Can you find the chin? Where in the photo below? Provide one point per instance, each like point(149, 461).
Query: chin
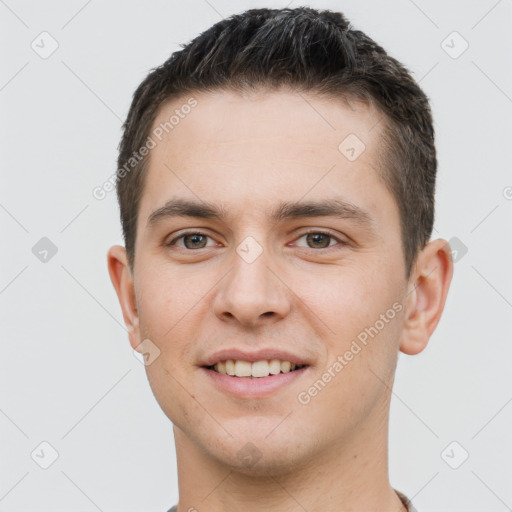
point(259, 454)
point(264, 463)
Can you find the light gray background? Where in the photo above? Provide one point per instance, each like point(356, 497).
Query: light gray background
point(67, 373)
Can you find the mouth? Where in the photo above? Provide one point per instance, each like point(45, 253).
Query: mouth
point(254, 370)
point(255, 380)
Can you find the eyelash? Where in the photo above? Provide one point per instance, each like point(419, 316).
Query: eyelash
point(312, 231)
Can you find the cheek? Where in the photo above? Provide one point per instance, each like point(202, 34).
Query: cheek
point(167, 295)
point(346, 300)
point(176, 311)
point(359, 306)
point(362, 352)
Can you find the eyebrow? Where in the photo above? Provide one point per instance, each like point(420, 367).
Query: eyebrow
point(334, 207)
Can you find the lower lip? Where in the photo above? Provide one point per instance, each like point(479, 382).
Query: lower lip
point(246, 387)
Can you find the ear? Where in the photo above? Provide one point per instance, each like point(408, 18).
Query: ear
point(121, 277)
point(427, 291)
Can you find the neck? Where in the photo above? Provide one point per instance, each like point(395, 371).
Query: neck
point(347, 476)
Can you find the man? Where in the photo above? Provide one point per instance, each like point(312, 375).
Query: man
point(276, 185)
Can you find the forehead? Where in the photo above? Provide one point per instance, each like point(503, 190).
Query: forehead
point(251, 148)
point(269, 117)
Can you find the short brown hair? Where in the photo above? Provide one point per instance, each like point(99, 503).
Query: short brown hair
point(309, 50)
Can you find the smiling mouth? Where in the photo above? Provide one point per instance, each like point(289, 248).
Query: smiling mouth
point(256, 370)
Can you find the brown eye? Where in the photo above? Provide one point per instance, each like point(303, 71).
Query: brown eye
point(191, 241)
point(195, 241)
point(320, 240)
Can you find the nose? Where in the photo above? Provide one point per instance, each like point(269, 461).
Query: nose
point(252, 293)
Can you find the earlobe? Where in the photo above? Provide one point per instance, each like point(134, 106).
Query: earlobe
point(122, 280)
point(428, 289)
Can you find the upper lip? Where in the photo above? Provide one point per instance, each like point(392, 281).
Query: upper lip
point(263, 354)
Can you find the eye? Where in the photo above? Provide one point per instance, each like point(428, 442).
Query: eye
point(191, 240)
point(320, 240)
point(315, 239)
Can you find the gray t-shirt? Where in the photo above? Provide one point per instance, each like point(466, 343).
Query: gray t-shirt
point(405, 501)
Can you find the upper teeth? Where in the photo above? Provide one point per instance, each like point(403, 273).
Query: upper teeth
point(256, 369)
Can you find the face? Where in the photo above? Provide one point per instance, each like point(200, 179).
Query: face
point(257, 277)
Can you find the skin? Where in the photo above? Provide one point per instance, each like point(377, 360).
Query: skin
point(248, 152)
